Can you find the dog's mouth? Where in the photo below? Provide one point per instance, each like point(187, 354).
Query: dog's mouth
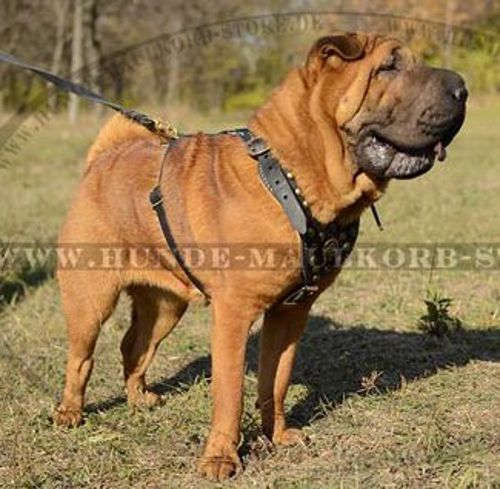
point(385, 159)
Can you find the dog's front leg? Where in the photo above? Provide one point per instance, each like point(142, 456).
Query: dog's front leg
point(281, 332)
point(231, 324)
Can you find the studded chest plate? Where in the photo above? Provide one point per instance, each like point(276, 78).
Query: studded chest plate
point(324, 247)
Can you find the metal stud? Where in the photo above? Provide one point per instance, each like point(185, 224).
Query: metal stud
point(289, 174)
point(297, 191)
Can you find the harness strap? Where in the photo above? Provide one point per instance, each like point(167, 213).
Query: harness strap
point(276, 180)
point(164, 129)
point(156, 200)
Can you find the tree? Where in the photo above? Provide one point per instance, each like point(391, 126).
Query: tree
point(61, 8)
point(92, 46)
point(76, 57)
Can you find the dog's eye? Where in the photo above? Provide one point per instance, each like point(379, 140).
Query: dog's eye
point(391, 64)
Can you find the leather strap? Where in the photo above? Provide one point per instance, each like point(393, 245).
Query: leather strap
point(275, 179)
point(156, 200)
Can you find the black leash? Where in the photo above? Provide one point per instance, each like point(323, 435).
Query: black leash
point(163, 129)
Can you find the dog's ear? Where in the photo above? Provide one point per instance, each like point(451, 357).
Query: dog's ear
point(345, 47)
point(348, 46)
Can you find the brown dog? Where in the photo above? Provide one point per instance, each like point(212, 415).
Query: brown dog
point(361, 111)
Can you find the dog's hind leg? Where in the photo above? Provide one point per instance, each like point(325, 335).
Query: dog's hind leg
point(88, 300)
point(155, 312)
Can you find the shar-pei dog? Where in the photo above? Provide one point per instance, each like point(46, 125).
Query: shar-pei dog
point(361, 111)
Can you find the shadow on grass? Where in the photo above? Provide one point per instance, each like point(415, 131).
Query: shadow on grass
point(13, 286)
point(333, 361)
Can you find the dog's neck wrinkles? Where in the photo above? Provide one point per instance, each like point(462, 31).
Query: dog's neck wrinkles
point(308, 144)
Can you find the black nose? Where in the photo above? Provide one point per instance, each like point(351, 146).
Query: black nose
point(460, 94)
point(452, 83)
point(455, 85)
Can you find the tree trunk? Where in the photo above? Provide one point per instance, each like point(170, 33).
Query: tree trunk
point(76, 58)
point(60, 11)
point(92, 48)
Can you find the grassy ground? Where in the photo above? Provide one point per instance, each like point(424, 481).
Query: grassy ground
point(383, 404)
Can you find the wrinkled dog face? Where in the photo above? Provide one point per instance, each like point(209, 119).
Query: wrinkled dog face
point(396, 115)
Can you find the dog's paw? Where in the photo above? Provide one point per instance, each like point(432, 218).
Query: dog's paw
point(71, 418)
point(220, 461)
point(144, 399)
point(218, 468)
point(289, 437)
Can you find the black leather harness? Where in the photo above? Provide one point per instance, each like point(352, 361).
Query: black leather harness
point(323, 247)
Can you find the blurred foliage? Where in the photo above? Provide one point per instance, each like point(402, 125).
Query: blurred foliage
point(243, 101)
point(221, 68)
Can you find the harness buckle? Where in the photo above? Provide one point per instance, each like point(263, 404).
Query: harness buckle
point(300, 294)
point(256, 147)
point(155, 197)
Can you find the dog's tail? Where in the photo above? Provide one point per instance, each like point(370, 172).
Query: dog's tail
point(116, 131)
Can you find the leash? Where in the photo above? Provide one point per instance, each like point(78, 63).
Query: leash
point(163, 129)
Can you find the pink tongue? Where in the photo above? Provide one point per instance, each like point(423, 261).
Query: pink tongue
point(440, 151)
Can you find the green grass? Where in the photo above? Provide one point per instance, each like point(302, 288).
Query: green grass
point(383, 404)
